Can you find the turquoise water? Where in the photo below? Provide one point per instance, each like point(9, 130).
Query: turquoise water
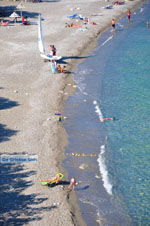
point(126, 95)
point(113, 82)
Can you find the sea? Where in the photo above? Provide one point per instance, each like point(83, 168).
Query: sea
point(110, 159)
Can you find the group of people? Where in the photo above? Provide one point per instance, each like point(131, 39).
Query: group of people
point(113, 22)
point(57, 68)
point(54, 67)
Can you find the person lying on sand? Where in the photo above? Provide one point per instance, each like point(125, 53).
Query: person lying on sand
point(2, 23)
point(61, 69)
point(93, 23)
point(25, 21)
point(86, 21)
point(72, 25)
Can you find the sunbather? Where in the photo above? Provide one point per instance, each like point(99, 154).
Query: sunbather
point(72, 25)
point(61, 69)
point(2, 23)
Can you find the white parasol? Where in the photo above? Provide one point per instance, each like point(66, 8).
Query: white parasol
point(20, 6)
point(14, 15)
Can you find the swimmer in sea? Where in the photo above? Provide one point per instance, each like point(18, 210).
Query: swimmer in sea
point(109, 119)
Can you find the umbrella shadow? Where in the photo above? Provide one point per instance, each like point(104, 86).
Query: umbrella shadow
point(75, 57)
point(6, 103)
point(5, 11)
point(16, 208)
point(6, 133)
point(62, 60)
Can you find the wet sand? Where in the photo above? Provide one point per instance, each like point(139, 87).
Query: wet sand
point(30, 97)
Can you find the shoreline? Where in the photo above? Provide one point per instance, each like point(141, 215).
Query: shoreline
point(59, 141)
point(85, 51)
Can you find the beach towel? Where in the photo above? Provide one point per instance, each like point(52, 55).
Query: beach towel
point(75, 16)
point(108, 7)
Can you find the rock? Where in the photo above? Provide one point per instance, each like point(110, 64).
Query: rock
point(83, 166)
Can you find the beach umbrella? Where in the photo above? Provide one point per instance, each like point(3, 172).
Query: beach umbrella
point(20, 6)
point(14, 15)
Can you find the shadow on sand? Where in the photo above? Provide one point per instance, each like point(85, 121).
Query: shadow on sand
point(6, 11)
point(62, 60)
point(16, 208)
point(5, 103)
point(5, 133)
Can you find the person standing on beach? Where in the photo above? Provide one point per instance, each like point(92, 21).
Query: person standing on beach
point(72, 184)
point(129, 15)
point(52, 50)
point(113, 24)
point(54, 66)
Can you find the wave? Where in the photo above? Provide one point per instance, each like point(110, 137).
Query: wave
point(98, 111)
point(107, 40)
point(103, 170)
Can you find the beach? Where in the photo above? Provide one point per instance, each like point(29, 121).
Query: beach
point(31, 96)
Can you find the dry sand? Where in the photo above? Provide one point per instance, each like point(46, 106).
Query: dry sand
point(30, 96)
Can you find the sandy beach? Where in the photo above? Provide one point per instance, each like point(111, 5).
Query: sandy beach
point(30, 97)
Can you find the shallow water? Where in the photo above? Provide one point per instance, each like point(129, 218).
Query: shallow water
point(113, 82)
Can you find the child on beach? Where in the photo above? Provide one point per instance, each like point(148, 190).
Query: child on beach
point(61, 69)
point(72, 184)
point(113, 24)
point(54, 66)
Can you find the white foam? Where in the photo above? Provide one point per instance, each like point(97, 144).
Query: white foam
point(107, 40)
point(141, 10)
point(103, 170)
point(120, 25)
point(98, 111)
